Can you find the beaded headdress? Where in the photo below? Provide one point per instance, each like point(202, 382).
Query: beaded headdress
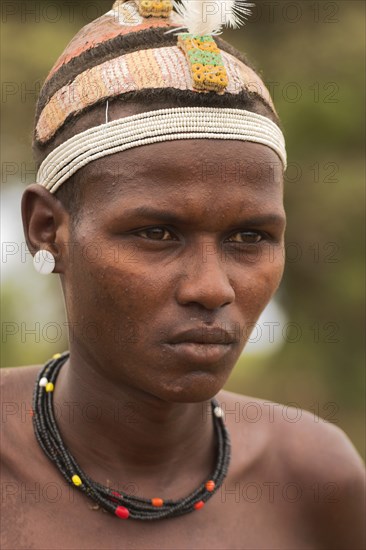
point(110, 57)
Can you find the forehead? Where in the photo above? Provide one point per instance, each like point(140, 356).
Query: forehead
point(192, 170)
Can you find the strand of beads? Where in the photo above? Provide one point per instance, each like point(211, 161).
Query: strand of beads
point(118, 502)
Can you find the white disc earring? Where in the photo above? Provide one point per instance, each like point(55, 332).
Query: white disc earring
point(44, 262)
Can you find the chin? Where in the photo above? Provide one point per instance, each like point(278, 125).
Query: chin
point(195, 387)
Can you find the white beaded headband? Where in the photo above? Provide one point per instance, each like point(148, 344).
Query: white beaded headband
point(157, 126)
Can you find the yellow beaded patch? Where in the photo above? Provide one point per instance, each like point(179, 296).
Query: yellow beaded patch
point(206, 64)
point(154, 8)
point(49, 387)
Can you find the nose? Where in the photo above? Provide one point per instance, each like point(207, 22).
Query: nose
point(204, 280)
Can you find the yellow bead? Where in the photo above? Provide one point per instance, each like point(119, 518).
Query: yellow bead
point(197, 67)
point(198, 77)
point(76, 480)
point(56, 356)
point(50, 386)
point(209, 47)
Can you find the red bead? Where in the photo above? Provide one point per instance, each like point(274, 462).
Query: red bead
point(198, 505)
point(122, 512)
point(210, 485)
point(116, 495)
point(157, 502)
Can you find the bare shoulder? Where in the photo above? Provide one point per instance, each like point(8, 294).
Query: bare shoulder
point(307, 441)
point(16, 385)
point(15, 379)
point(316, 457)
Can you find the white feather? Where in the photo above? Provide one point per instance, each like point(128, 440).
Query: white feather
point(202, 17)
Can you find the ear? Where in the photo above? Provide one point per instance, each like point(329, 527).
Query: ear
point(45, 224)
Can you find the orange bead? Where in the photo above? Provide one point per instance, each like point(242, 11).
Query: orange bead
point(157, 502)
point(210, 485)
point(198, 505)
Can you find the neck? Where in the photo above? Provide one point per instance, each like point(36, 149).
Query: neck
point(120, 434)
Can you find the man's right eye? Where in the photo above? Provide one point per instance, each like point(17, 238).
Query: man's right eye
point(156, 233)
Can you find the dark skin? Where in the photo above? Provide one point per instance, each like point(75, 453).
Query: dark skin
point(139, 403)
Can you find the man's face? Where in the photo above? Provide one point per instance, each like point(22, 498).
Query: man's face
point(174, 236)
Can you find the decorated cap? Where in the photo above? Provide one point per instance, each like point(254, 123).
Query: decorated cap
point(142, 45)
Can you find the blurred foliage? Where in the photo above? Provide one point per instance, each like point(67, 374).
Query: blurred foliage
point(310, 54)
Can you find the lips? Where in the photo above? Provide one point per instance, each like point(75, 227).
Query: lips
point(205, 335)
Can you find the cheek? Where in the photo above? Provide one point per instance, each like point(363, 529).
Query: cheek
point(258, 282)
point(113, 286)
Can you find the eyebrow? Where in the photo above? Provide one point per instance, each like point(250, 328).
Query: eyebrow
point(169, 217)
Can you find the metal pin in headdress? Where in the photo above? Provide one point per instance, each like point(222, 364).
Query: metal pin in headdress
point(204, 19)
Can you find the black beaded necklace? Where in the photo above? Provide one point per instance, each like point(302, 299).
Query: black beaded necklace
point(119, 503)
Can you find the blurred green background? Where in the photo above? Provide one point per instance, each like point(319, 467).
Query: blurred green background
point(308, 349)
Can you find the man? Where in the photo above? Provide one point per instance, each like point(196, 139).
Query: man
point(164, 267)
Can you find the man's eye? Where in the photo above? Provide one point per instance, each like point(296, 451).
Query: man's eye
point(246, 237)
point(156, 234)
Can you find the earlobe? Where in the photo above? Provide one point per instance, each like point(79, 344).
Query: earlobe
point(44, 262)
point(44, 224)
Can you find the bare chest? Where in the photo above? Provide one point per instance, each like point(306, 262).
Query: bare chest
point(48, 513)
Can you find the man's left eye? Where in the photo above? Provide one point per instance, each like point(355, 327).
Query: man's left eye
point(246, 237)
point(156, 234)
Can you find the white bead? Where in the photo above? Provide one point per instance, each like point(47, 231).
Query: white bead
point(218, 412)
point(43, 382)
point(44, 262)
